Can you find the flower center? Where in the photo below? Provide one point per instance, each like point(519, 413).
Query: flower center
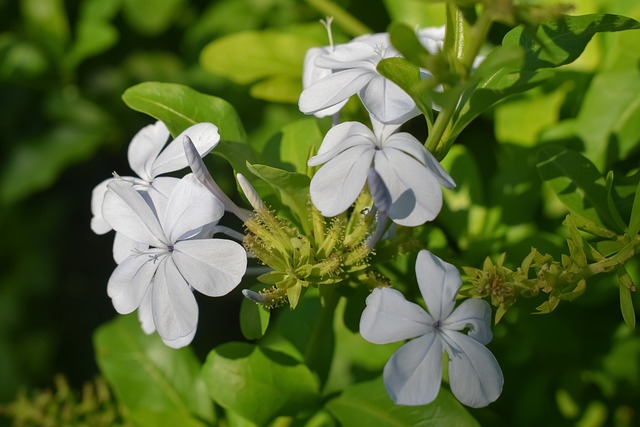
point(437, 326)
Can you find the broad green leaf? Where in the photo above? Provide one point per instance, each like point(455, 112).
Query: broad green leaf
point(278, 89)
point(367, 404)
point(407, 75)
point(179, 107)
point(577, 183)
point(47, 21)
point(634, 222)
point(20, 59)
point(561, 42)
point(293, 146)
point(152, 16)
point(258, 383)
point(299, 326)
point(254, 319)
point(253, 55)
point(150, 379)
point(292, 189)
point(609, 119)
point(499, 76)
point(92, 37)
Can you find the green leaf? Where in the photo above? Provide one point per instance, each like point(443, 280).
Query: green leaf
point(407, 75)
point(20, 60)
point(278, 89)
point(254, 55)
point(254, 319)
point(293, 146)
point(415, 12)
point(151, 380)
point(367, 404)
point(634, 222)
point(562, 41)
point(92, 37)
point(499, 76)
point(626, 302)
point(292, 189)
point(152, 17)
point(179, 107)
point(47, 22)
point(258, 383)
point(609, 120)
point(577, 183)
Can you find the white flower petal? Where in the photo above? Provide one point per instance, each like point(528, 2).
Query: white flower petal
point(432, 38)
point(340, 138)
point(310, 72)
point(180, 342)
point(175, 311)
point(129, 282)
point(409, 144)
point(413, 374)
point(204, 136)
point(145, 147)
point(128, 213)
point(475, 376)
point(158, 193)
point(145, 313)
point(213, 267)
point(336, 185)
point(98, 224)
point(439, 282)
point(333, 89)
point(353, 55)
point(386, 102)
point(190, 207)
point(415, 192)
point(124, 247)
point(472, 313)
point(389, 317)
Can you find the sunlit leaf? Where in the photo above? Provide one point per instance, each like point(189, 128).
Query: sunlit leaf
point(151, 16)
point(367, 404)
point(150, 379)
point(254, 319)
point(562, 41)
point(258, 383)
point(47, 21)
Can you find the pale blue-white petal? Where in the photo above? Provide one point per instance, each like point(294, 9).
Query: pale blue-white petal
point(145, 147)
point(412, 376)
point(474, 314)
point(213, 267)
point(333, 89)
point(439, 283)
point(341, 137)
point(158, 193)
point(386, 102)
point(409, 144)
point(475, 376)
point(145, 313)
point(128, 213)
point(311, 73)
point(432, 38)
point(175, 311)
point(98, 224)
point(124, 247)
point(416, 194)
point(180, 342)
point(204, 136)
point(383, 131)
point(379, 193)
point(354, 55)
point(190, 207)
point(336, 185)
point(374, 40)
point(389, 317)
point(130, 280)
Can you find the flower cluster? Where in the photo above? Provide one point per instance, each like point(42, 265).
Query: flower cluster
point(404, 180)
point(163, 245)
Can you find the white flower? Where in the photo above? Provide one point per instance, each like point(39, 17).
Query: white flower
point(412, 376)
point(332, 75)
point(148, 160)
point(410, 173)
point(170, 261)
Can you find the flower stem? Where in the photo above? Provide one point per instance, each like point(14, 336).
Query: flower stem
point(348, 22)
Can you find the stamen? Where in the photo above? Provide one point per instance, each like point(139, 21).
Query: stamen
point(326, 23)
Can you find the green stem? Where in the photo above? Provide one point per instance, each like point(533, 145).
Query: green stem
point(315, 356)
point(467, 43)
point(348, 22)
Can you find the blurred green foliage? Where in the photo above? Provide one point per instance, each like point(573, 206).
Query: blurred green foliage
point(64, 66)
